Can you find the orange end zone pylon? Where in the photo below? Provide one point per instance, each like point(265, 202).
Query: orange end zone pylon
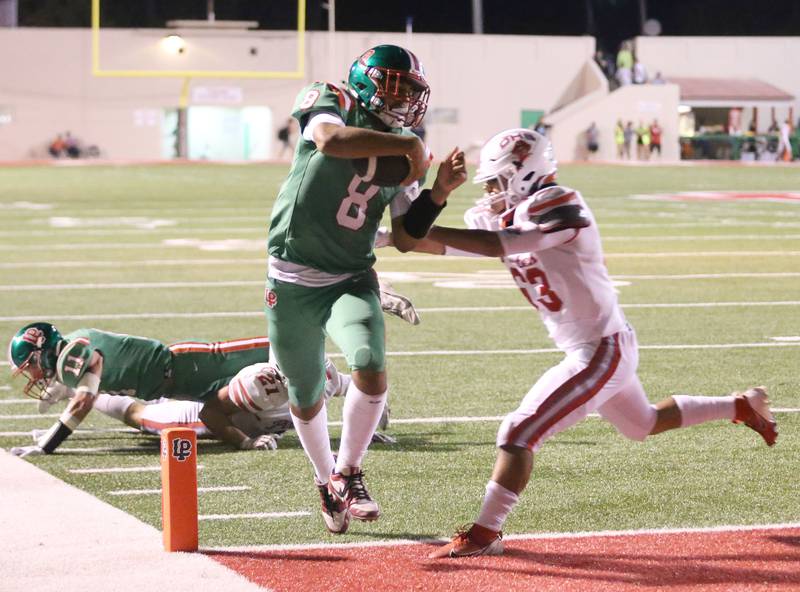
point(179, 489)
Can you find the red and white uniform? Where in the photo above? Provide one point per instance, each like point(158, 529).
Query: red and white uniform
point(563, 275)
point(264, 410)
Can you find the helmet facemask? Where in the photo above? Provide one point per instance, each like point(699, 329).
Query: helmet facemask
point(403, 97)
point(38, 378)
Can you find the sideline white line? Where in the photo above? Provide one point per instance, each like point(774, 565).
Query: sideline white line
point(158, 491)
point(16, 401)
point(251, 516)
point(518, 537)
point(259, 314)
point(153, 469)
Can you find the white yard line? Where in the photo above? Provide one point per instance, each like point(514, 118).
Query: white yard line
point(31, 416)
point(158, 491)
point(260, 261)
point(151, 469)
point(258, 515)
point(111, 449)
point(16, 401)
point(259, 314)
point(396, 277)
point(87, 431)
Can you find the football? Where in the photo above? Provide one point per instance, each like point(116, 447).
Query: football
point(384, 171)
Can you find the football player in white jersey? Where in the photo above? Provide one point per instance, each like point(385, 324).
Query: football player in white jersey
point(548, 239)
point(250, 413)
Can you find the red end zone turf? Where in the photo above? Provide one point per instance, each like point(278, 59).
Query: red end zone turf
point(750, 559)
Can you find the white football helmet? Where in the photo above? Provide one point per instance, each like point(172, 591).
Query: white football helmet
point(258, 388)
point(521, 161)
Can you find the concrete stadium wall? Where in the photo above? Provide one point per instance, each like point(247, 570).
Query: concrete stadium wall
point(636, 103)
point(480, 84)
point(771, 59)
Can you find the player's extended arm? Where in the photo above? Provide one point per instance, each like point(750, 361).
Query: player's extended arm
point(410, 229)
point(78, 408)
point(482, 242)
point(216, 414)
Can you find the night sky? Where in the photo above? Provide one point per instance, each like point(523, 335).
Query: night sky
point(609, 20)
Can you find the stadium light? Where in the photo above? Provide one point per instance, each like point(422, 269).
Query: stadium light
point(173, 44)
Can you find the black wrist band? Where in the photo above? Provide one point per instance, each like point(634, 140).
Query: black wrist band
point(421, 215)
point(60, 434)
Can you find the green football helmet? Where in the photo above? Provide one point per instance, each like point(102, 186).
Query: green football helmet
point(33, 352)
point(389, 81)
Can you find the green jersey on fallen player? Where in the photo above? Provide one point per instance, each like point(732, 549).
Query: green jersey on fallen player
point(148, 369)
point(325, 216)
point(134, 366)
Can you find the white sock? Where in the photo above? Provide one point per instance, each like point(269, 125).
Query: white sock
point(360, 417)
point(695, 410)
point(314, 437)
point(497, 505)
point(114, 406)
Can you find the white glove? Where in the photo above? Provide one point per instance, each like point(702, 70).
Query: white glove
point(54, 393)
point(23, 451)
point(383, 238)
point(263, 442)
point(381, 438)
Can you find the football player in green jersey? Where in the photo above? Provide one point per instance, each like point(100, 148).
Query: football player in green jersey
point(91, 361)
point(321, 241)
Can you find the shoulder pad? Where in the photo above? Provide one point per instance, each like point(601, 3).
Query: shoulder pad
point(73, 361)
point(322, 97)
point(543, 201)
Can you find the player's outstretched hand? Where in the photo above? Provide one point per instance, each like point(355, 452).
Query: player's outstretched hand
point(23, 451)
point(452, 174)
point(263, 442)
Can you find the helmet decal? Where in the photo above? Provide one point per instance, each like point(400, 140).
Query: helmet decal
point(34, 336)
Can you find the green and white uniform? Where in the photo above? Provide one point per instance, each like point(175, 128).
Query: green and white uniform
point(148, 369)
point(321, 240)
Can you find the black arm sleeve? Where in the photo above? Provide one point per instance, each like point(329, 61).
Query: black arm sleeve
point(54, 436)
point(421, 215)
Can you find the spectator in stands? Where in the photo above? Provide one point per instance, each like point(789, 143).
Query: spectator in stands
point(619, 138)
point(57, 147)
point(655, 138)
point(785, 145)
point(773, 127)
point(629, 134)
point(642, 142)
point(592, 140)
point(625, 64)
point(639, 72)
point(71, 146)
point(658, 79)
